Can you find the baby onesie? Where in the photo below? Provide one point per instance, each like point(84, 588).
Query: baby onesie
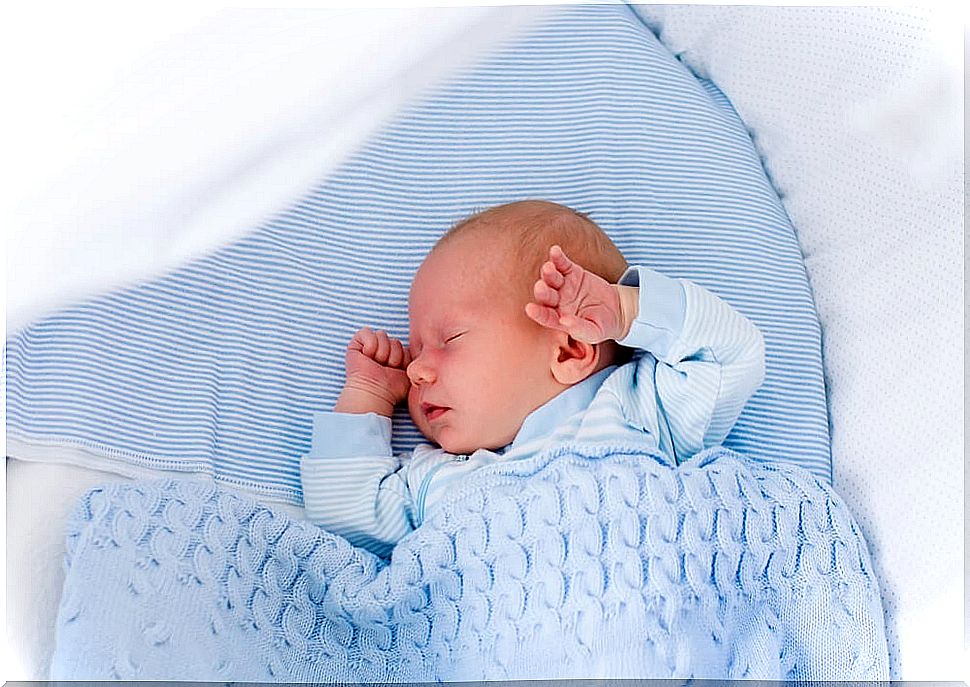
point(698, 361)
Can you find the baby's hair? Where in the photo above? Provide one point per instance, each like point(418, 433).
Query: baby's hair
point(530, 228)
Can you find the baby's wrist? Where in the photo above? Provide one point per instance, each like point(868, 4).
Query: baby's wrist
point(361, 398)
point(629, 297)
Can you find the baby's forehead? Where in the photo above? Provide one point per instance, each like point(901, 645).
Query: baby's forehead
point(462, 278)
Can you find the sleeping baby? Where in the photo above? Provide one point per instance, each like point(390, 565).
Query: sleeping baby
point(527, 330)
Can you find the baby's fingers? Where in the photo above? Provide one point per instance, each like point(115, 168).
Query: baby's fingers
point(545, 316)
point(551, 276)
point(374, 345)
point(545, 294)
point(364, 341)
point(581, 329)
point(397, 355)
point(383, 347)
point(559, 260)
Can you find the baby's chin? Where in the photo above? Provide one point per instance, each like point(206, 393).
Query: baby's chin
point(452, 444)
point(461, 445)
point(456, 442)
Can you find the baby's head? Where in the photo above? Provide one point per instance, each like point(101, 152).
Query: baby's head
point(480, 364)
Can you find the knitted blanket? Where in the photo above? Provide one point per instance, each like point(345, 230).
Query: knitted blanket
point(589, 561)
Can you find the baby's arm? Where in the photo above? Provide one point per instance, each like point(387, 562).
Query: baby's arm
point(706, 358)
point(353, 485)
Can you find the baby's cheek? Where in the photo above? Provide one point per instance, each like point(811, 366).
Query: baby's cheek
point(412, 411)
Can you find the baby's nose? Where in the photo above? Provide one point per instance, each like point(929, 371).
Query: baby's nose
point(419, 372)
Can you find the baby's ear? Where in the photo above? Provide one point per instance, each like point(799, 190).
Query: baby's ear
point(574, 360)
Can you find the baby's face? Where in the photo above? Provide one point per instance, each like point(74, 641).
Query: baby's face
point(480, 365)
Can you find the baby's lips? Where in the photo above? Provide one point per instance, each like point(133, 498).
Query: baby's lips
point(432, 411)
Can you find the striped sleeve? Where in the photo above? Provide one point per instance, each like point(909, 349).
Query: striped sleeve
point(353, 485)
point(706, 361)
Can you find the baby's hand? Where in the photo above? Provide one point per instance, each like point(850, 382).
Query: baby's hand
point(576, 301)
point(376, 374)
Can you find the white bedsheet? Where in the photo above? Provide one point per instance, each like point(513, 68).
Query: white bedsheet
point(39, 497)
point(858, 115)
point(201, 136)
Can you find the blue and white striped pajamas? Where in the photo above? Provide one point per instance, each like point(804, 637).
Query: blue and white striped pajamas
point(701, 362)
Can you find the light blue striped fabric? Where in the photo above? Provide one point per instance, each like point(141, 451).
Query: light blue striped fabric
point(219, 366)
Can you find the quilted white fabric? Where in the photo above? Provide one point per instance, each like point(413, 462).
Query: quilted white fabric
point(857, 113)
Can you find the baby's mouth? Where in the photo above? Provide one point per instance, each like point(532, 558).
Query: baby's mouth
point(433, 412)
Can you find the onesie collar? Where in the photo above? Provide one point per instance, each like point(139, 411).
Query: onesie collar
point(544, 419)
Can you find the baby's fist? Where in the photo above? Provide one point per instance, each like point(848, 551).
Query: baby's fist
point(376, 371)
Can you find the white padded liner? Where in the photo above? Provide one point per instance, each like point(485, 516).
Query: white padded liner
point(858, 113)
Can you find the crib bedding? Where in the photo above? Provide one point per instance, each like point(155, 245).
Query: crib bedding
point(217, 367)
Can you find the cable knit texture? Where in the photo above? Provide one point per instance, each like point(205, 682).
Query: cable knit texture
point(589, 561)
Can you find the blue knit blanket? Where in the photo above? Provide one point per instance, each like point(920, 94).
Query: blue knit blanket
point(590, 561)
